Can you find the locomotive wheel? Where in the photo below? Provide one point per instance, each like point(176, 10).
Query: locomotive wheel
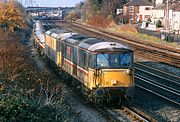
point(118, 101)
point(129, 100)
point(108, 98)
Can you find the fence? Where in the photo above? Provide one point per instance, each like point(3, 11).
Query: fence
point(162, 35)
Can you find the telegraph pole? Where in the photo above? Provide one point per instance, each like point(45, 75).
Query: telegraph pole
point(167, 16)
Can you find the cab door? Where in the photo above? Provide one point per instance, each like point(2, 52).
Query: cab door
point(62, 53)
point(75, 61)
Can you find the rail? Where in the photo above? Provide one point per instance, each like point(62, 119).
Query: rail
point(172, 56)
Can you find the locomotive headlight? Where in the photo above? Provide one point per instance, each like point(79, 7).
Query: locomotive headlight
point(114, 82)
point(128, 71)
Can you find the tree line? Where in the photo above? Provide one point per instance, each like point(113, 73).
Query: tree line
point(89, 9)
point(12, 15)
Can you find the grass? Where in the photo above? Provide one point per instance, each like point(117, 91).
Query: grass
point(129, 31)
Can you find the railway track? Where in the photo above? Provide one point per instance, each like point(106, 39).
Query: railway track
point(49, 25)
point(158, 73)
point(147, 50)
point(162, 84)
point(133, 114)
point(151, 82)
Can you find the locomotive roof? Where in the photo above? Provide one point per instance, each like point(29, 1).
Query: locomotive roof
point(75, 38)
point(83, 41)
point(106, 45)
point(91, 43)
point(38, 26)
point(95, 44)
point(56, 33)
point(67, 35)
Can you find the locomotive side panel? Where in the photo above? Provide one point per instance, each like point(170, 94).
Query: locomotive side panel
point(82, 62)
point(50, 48)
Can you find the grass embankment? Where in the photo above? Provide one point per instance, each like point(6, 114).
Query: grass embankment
point(131, 32)
point(127, 31)
point(26, 93)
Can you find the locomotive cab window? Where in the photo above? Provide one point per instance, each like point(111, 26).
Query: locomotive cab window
point(125, 59)
point(102, 60)
point(83, 59)
point(114, 60)
point(92, 60)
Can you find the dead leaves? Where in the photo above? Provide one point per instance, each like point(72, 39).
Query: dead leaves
point(11, 15)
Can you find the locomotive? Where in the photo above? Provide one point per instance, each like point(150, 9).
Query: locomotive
point(104, 69)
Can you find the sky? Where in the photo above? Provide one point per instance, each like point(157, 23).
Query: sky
point(55, 3)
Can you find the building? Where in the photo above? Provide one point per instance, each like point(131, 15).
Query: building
point(174, 17)
point(137, 10)
point(160, 13)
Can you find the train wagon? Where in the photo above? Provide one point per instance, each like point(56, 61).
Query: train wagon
point(104, 68)
point(39, 36)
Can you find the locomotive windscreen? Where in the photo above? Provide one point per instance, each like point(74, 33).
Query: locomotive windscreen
point(114, 60)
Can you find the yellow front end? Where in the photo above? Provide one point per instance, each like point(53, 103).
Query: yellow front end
point(111, 78)
point(117, 78)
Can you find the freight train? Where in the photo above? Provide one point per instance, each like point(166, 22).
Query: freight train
point(104, 69)
point(39, 35)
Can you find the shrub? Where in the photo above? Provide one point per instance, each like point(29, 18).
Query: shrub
point(149, 19)
point(159, 24)
point(18, 105)
point(99, 21)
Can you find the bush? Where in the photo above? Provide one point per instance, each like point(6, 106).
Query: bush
point(99, 21)
point(149, 19)
point(17, 105)
point(159, 24)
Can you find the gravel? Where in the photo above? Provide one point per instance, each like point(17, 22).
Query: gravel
point(164, 67)
point(155, 106)
point(169, 113)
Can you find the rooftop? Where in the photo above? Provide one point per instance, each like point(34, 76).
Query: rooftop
point(175, 7)
point(138, 3)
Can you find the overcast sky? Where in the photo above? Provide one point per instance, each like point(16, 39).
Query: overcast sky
point(54, 3)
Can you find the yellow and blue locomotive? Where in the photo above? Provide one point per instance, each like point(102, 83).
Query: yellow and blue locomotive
point(104, 68)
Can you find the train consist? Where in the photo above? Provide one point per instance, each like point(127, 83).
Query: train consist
point(103, 69)
point(39, 35)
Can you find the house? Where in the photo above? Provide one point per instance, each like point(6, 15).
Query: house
point(159, 2)
point(174, 16)
point(137, 10)
point(160, 13)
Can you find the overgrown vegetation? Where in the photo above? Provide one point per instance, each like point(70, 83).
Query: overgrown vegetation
point(99, 13)
point(40, 104)
point(99, 21)
point(132, 33)
point(26, 93)
point(12, 15)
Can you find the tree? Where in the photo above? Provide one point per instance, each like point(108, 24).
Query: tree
point(102, 8)
point(72, 16)
point(12, 15)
